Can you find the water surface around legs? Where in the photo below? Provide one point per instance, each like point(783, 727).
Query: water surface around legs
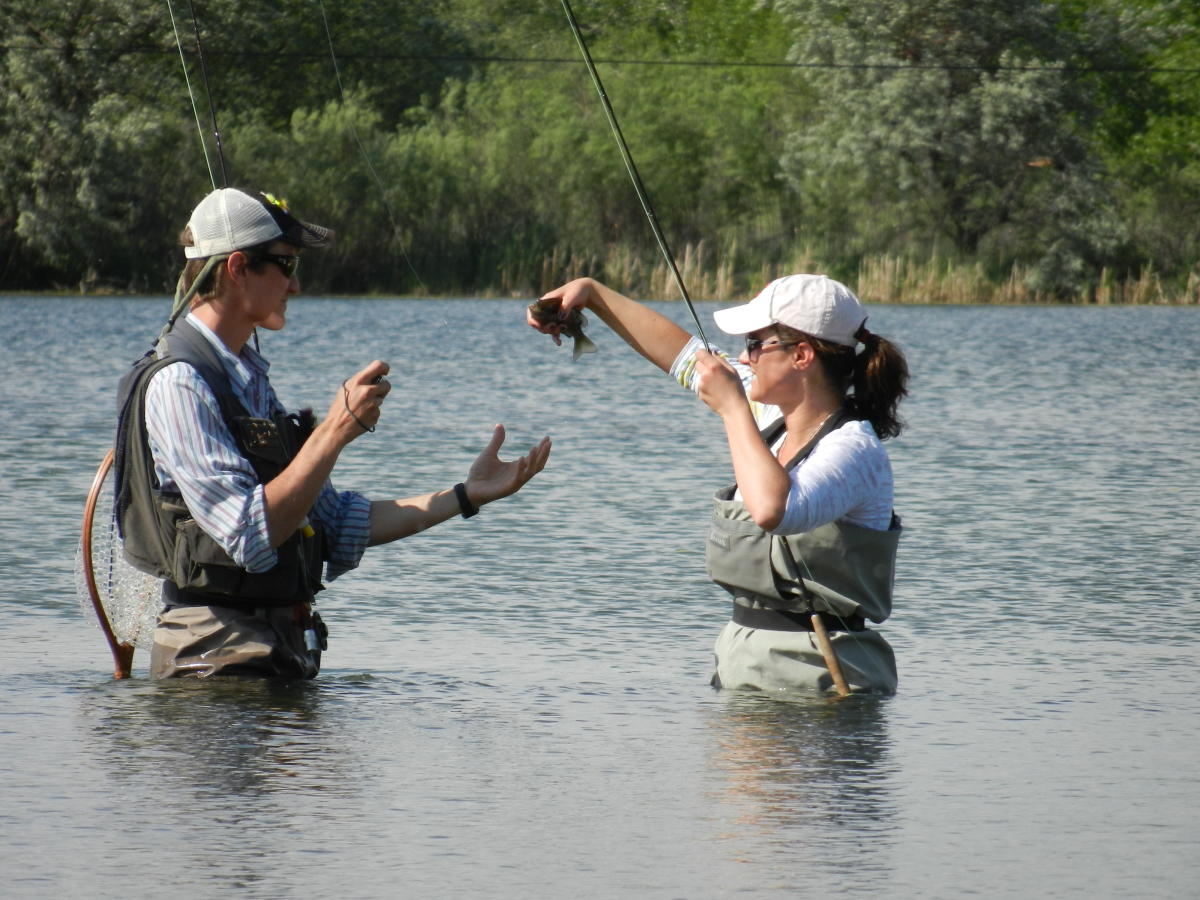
point(518, 705)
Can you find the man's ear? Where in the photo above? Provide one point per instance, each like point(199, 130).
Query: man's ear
point(237, 265)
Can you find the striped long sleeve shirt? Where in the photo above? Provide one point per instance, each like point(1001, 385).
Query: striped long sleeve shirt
point(196, 455)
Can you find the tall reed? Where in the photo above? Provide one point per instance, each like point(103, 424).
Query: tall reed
point(722, 274)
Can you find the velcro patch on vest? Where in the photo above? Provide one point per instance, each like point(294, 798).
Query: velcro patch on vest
point(259, 433)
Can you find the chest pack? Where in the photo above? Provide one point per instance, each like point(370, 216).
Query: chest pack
point(840, 569)
point(159, 534)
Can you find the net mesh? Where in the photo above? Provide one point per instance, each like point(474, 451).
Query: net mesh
point(131, 598)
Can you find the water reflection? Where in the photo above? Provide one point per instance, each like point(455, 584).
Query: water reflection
point(221, 737)
point(806, 783)
point(226, 773)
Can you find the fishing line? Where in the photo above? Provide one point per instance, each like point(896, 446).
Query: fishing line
point(192, 96)
point(363, 150)
point(632, 169)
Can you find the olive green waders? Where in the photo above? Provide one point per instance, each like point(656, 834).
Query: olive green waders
point(841, 571)
point(200, 641)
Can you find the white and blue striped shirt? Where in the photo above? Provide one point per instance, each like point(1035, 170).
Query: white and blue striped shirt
point(196, 455)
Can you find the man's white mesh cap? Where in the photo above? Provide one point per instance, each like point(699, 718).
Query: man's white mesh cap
point(229, 219)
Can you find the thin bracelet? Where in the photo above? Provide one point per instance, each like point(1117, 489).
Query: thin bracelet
point(369, 429)
point(465, 505)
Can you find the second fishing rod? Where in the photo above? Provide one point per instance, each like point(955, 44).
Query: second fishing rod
point(634, 176)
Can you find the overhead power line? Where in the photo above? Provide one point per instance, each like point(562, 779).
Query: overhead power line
point(559, 61)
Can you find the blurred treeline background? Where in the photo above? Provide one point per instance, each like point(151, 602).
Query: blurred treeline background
point(920, 150)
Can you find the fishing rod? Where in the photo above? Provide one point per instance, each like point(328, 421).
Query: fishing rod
point(631, 167)
point(212, 106)
point(824, 644)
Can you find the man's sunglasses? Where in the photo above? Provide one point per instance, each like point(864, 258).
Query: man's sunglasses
point(288, 263)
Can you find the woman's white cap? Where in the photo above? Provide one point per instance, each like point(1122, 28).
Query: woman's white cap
point(814, 304)
point(229, 219)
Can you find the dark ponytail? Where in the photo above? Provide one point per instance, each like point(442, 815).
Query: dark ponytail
point(873, 380)
point(880, 381)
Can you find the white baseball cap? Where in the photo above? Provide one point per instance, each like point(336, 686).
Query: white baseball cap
point(814, 304)
point(229, 219)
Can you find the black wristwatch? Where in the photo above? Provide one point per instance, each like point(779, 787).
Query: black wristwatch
point(464, 502)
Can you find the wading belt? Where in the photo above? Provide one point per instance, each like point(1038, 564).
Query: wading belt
point(173, 596)
point(784, 620)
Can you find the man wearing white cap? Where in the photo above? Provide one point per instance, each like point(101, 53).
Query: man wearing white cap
point(805, 541)
point(224, 495)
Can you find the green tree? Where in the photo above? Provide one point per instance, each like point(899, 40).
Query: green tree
point(266, 60)
point(1159, 162)
point(961, 122)
point(536, 167)
point(99, 147)
point(83, 149)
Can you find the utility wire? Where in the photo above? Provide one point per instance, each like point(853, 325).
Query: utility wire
point(617, 61)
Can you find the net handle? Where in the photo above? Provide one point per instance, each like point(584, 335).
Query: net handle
point(122, 653)
point(831, 660)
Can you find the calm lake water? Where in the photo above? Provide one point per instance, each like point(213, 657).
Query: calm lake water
point(518, 705)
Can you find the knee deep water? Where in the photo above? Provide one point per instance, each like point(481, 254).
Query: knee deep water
point(518, 705)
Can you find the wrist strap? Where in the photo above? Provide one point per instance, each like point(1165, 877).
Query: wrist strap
point(464, 502)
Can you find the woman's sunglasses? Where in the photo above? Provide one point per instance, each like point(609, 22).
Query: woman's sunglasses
point(755, 346)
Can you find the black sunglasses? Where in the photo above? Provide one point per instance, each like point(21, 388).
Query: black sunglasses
point(754, 346)
point(288, 263)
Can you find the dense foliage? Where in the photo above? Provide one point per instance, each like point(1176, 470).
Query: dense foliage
point(1050, 148)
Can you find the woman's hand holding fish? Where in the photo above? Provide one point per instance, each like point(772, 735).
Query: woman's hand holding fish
point(718, 384)
point(552, 311)
point(558, 313)
point(490, 478)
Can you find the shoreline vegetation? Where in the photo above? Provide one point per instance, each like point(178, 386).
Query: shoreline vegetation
point(1026, 152)
point(881, 278)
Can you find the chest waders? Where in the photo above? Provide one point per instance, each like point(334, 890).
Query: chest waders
point(842, 572)
point(159, 534)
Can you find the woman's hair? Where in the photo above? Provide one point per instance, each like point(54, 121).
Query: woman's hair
point(873, 380)
point(214, 281)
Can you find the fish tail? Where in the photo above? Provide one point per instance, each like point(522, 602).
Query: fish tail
point(583, 344)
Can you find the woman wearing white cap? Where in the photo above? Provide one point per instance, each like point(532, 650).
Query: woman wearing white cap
point(808, 530)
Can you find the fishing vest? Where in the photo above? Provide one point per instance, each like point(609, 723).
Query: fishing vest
point(842, 570)
point(159, 534)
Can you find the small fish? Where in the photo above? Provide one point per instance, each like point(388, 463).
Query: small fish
point(547, 312)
